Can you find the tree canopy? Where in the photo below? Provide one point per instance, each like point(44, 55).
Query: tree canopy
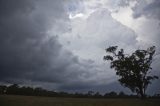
point(134, 69)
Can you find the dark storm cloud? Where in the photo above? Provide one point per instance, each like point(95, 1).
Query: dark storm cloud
point(30, 55)
point(24, 50)
point(8, 7)
point(150, 10)
point(27, 53)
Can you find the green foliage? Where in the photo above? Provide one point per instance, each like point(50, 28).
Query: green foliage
point(133, 69)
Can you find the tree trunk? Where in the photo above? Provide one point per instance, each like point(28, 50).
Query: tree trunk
point(142, 94)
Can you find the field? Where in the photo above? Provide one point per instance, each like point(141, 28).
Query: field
point(11, 100)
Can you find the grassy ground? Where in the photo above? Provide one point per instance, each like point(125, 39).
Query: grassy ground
point(11, 100)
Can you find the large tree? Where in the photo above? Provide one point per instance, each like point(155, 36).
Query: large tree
point(134, 69)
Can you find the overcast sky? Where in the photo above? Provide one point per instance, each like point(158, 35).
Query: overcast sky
point(60, 44)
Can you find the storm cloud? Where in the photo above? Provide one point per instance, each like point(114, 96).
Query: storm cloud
point(27, 51)
point(30, 54)
point(149, 9)
point(59, 44)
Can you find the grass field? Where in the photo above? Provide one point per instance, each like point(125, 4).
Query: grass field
point(11, 100)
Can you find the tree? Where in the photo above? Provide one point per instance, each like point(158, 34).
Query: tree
point(90, 93)
point(111, 94)
point(13, 89)
point(121, 94)
point(97, 95)
point(134, 69)
point(3, 89)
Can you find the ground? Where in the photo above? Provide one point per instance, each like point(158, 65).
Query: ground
point(12, 100)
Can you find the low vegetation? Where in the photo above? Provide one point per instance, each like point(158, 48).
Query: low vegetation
point(9, 100)
point(15, 89)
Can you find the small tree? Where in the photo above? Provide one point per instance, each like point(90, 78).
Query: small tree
point(133, 69)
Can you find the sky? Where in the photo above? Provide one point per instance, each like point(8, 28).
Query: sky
point(60, 44)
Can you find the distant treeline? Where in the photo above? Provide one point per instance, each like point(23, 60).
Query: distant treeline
point(15, 89)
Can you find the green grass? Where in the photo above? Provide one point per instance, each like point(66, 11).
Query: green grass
point(12, 100)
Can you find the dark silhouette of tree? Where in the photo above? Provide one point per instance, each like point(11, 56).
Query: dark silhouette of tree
point(133, 69)
point(97, 95)
point(90, 93)
point(3, 89)
point(122, 95)
point(13, 89)
point(111, 94)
